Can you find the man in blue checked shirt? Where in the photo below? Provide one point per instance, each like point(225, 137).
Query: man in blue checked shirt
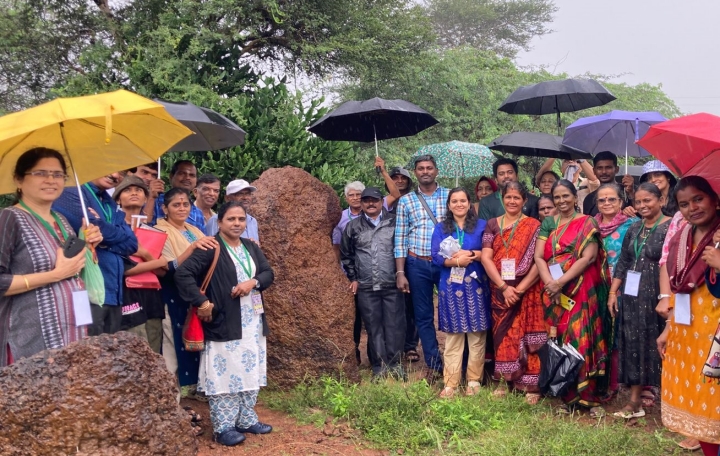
point(183, 174)
point(416, 274)
point(118, 241)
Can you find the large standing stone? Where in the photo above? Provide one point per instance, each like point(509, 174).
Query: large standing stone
point(105, 395)
point(310, 309)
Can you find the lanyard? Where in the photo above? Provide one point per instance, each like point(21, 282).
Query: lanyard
point(512, 233)
point(638, 248)
point(44, 222)
point(189, 234)
point(556, 243)
point(460, 235)
point(106, 212)
point(247, 267)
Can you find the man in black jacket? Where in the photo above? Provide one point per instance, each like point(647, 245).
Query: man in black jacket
point(367, 254)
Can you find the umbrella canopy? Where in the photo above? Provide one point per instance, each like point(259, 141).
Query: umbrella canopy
point(372, 120)
point(615, 131)
point(689, 145)
point(212, 130)
point(97, 134)
point(460, 159)
point(532, 144)
point(554, 97)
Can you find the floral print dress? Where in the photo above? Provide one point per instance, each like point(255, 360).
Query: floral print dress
point(237, 365)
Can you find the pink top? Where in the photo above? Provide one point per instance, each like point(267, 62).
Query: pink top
point(676, 224)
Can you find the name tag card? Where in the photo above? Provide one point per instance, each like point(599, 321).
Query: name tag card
point(507, 269)
point(556, 271)
point(457, 275)
point(682, 309)
point(632, 283)
point(257, 302)
point(81, 307)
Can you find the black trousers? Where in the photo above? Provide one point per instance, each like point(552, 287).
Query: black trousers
point(357, 331)
point(383, 313)
point(411, 334)
point(106, 319)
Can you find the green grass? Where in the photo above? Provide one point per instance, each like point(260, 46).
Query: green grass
point(410, 417)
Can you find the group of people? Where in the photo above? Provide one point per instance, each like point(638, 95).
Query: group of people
point(628, 281)
point(41, 289)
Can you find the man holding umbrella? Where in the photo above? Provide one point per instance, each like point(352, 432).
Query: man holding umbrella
point(417, 214)
point(505, 170)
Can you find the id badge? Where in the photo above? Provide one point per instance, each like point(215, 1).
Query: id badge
point(457, 275)
point(556, 271)
point(682, 309)
point(507, 269)
point(81, 308)
point(632, 283)
point(257, 302)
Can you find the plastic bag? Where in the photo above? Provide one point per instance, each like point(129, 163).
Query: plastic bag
point(93, 278)
point(567, 373)
point(551, 358)
point(448, 247)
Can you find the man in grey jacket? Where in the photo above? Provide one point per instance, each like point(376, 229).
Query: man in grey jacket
point(367, 254)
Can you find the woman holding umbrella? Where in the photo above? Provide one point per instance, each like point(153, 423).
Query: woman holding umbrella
point(570, 264)
point(517, 312)
point(37, 281)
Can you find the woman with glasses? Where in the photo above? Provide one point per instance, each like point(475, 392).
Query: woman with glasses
point(637, 277)
point(37, 281)
point(570, 263)
point(613, 225)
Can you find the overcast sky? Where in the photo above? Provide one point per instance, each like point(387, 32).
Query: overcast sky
point(669, 42)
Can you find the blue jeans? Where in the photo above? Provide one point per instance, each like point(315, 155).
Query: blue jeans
point(423, 276)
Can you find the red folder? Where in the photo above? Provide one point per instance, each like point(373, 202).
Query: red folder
point(152, 239)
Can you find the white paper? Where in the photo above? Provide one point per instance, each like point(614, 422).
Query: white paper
point(682, 309)
point(556, 271)
point(81, 307)
point(632, 283)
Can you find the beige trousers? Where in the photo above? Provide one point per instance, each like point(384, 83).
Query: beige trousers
point(453, 356)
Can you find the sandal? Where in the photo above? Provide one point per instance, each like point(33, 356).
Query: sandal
point(565, 409)
point(196, 429)
point(447, 393)
point(532, 398)
point(195, 417)
point(608, 397)
point(689, 444)
point(472, 388)
point(632, 410)
point(648, 398)
point(412, 356)
point(500, 392)
point(598, 412)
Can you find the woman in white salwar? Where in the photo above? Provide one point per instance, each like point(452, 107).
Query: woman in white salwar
point(233, 363)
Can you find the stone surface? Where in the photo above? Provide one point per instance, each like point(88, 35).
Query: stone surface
point(105, 395)
point(310, 309)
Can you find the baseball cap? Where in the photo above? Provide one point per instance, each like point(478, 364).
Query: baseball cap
point(400, 170)
point(130, 181)
point(237, 185)
point(371, 192)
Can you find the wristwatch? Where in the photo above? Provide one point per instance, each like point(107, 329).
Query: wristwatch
point(661, 296)
point(257, 284)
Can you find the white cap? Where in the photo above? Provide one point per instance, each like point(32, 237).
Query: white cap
point(238, 185)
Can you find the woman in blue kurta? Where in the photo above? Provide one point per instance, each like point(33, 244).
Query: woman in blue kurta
point(463, 293)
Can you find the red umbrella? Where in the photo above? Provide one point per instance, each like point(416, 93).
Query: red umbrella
point(689, 145)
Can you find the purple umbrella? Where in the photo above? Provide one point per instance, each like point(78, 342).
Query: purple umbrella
point(616, 131)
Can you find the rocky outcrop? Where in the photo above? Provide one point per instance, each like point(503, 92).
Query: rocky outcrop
point(105, 395)
point(310, 309)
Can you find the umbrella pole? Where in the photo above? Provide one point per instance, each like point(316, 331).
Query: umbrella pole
point(626, 151)
point(77, 181)
point(159, 160)
point(377, 168)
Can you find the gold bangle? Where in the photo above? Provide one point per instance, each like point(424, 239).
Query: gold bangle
point(457, 260)
point(27, 284)
point(612, 293)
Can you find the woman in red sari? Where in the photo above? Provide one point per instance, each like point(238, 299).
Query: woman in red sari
point(517, 311)
point(571, 267)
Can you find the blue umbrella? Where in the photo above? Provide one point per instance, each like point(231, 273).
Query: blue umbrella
point(616, 131)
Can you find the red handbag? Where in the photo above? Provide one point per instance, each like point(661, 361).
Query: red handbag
point(192, 332)
point(146, 280)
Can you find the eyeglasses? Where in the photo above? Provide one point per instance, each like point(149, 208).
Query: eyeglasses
point(608, 200)
point(58, 175)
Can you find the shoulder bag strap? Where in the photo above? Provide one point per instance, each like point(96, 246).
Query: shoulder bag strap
point(210, 272)
point(427, 208)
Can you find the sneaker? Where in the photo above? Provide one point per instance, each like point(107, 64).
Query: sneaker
point(257, 428)
point(231, 437)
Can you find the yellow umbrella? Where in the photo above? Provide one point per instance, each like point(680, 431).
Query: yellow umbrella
point(97, 134)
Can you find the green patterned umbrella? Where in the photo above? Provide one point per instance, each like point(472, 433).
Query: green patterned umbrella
point(459, 159)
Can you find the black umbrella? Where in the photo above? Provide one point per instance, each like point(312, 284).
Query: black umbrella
point(534, 144)
point(554, 97)
point(212, 130)
point(372, 120)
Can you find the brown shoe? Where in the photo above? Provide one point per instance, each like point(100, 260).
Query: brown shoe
point(432, 376)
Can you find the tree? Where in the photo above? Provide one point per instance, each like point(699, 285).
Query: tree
point(501, 26)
